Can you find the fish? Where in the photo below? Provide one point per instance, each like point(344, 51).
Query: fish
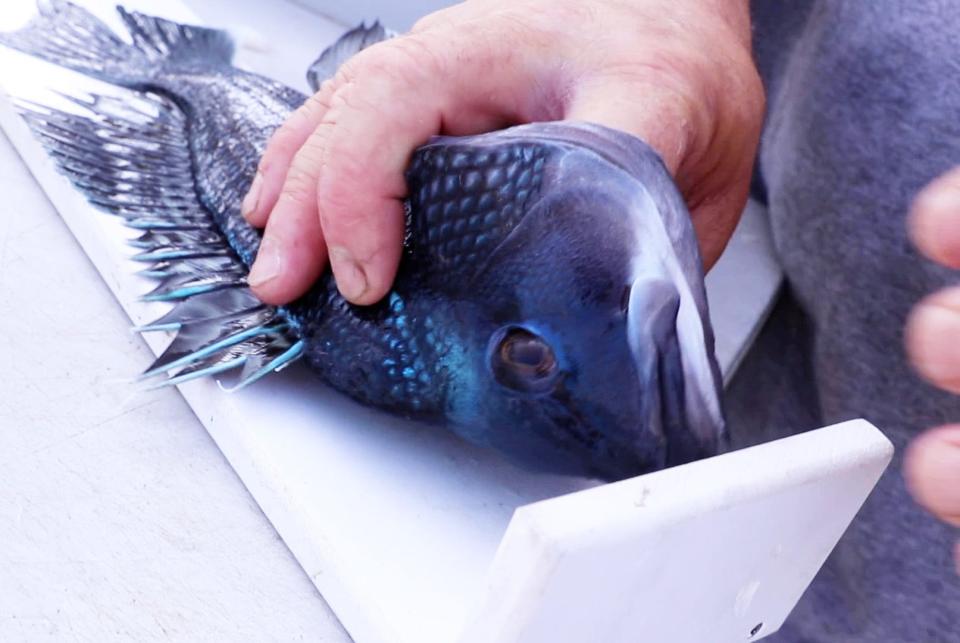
point(550, 299)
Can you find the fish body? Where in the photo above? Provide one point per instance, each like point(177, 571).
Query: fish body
point(549, 301)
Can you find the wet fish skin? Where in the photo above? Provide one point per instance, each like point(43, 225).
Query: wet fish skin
point(549, 302)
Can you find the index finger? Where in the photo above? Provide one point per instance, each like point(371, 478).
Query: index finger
point(934, 222)
point(387, 101)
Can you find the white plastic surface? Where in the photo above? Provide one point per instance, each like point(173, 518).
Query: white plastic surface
point(119, 517)
point(397, 524)
point(717, 550)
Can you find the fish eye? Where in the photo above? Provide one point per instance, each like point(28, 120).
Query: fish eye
point(523, 361)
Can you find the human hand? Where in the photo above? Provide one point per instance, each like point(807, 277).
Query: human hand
point(932, 464)
point(676, 73)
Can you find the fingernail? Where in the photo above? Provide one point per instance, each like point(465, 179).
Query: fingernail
point(351, 280)
point(936, 332)
point(267, 265)
point(250, 202)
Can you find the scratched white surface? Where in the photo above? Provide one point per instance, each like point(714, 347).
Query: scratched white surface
point(119, 517)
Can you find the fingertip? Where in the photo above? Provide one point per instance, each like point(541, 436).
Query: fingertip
point(932, 472)
point(267, 269)
point(365, 282)
point(349, 275)
point(934, 220)
point(249, 208)
point(267, 266)
point(931, 339)
point(292, 255)
point(285, 276)
point(381, 271)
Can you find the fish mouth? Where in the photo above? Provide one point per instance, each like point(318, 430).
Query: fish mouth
point(665, 438)
point(652, 330)
point(660, 435)
point(683, 443)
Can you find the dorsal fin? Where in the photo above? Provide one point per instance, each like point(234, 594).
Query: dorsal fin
point(350, 43)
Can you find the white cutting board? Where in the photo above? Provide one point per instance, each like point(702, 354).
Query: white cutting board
point(411, 535)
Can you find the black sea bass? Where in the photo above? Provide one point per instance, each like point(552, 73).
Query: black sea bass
point(550, 300)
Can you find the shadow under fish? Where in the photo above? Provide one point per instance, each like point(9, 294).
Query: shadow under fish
point(549, 302)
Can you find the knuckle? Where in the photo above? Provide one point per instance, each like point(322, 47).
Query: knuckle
point(318, 103)
point(347, 73)
point(308, 113)
point(299, 187)
point(455, 17)
point(430, 21)
point(310, 157)
point(284, 142)
point(278, 146)
point(336, 208)
point(416, 52)
point(295, 195)
point(407, 57)
point(349, 99)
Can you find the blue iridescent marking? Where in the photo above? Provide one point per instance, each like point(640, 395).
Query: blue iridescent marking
point(216, 346)
point(181, 293)
point(275, 364)
point(155, 327)
point(203, 372)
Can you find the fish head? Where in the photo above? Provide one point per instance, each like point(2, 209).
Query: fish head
point(585, 344)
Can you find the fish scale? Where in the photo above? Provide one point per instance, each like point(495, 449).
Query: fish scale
point(388, 365)
point(469, 199)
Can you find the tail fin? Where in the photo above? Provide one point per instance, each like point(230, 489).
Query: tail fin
point(72, 37)
point(171, 43)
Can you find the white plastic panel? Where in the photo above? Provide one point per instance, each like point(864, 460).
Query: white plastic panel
point(718, 550)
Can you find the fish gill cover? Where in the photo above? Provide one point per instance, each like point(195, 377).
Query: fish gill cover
point(549, 303)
